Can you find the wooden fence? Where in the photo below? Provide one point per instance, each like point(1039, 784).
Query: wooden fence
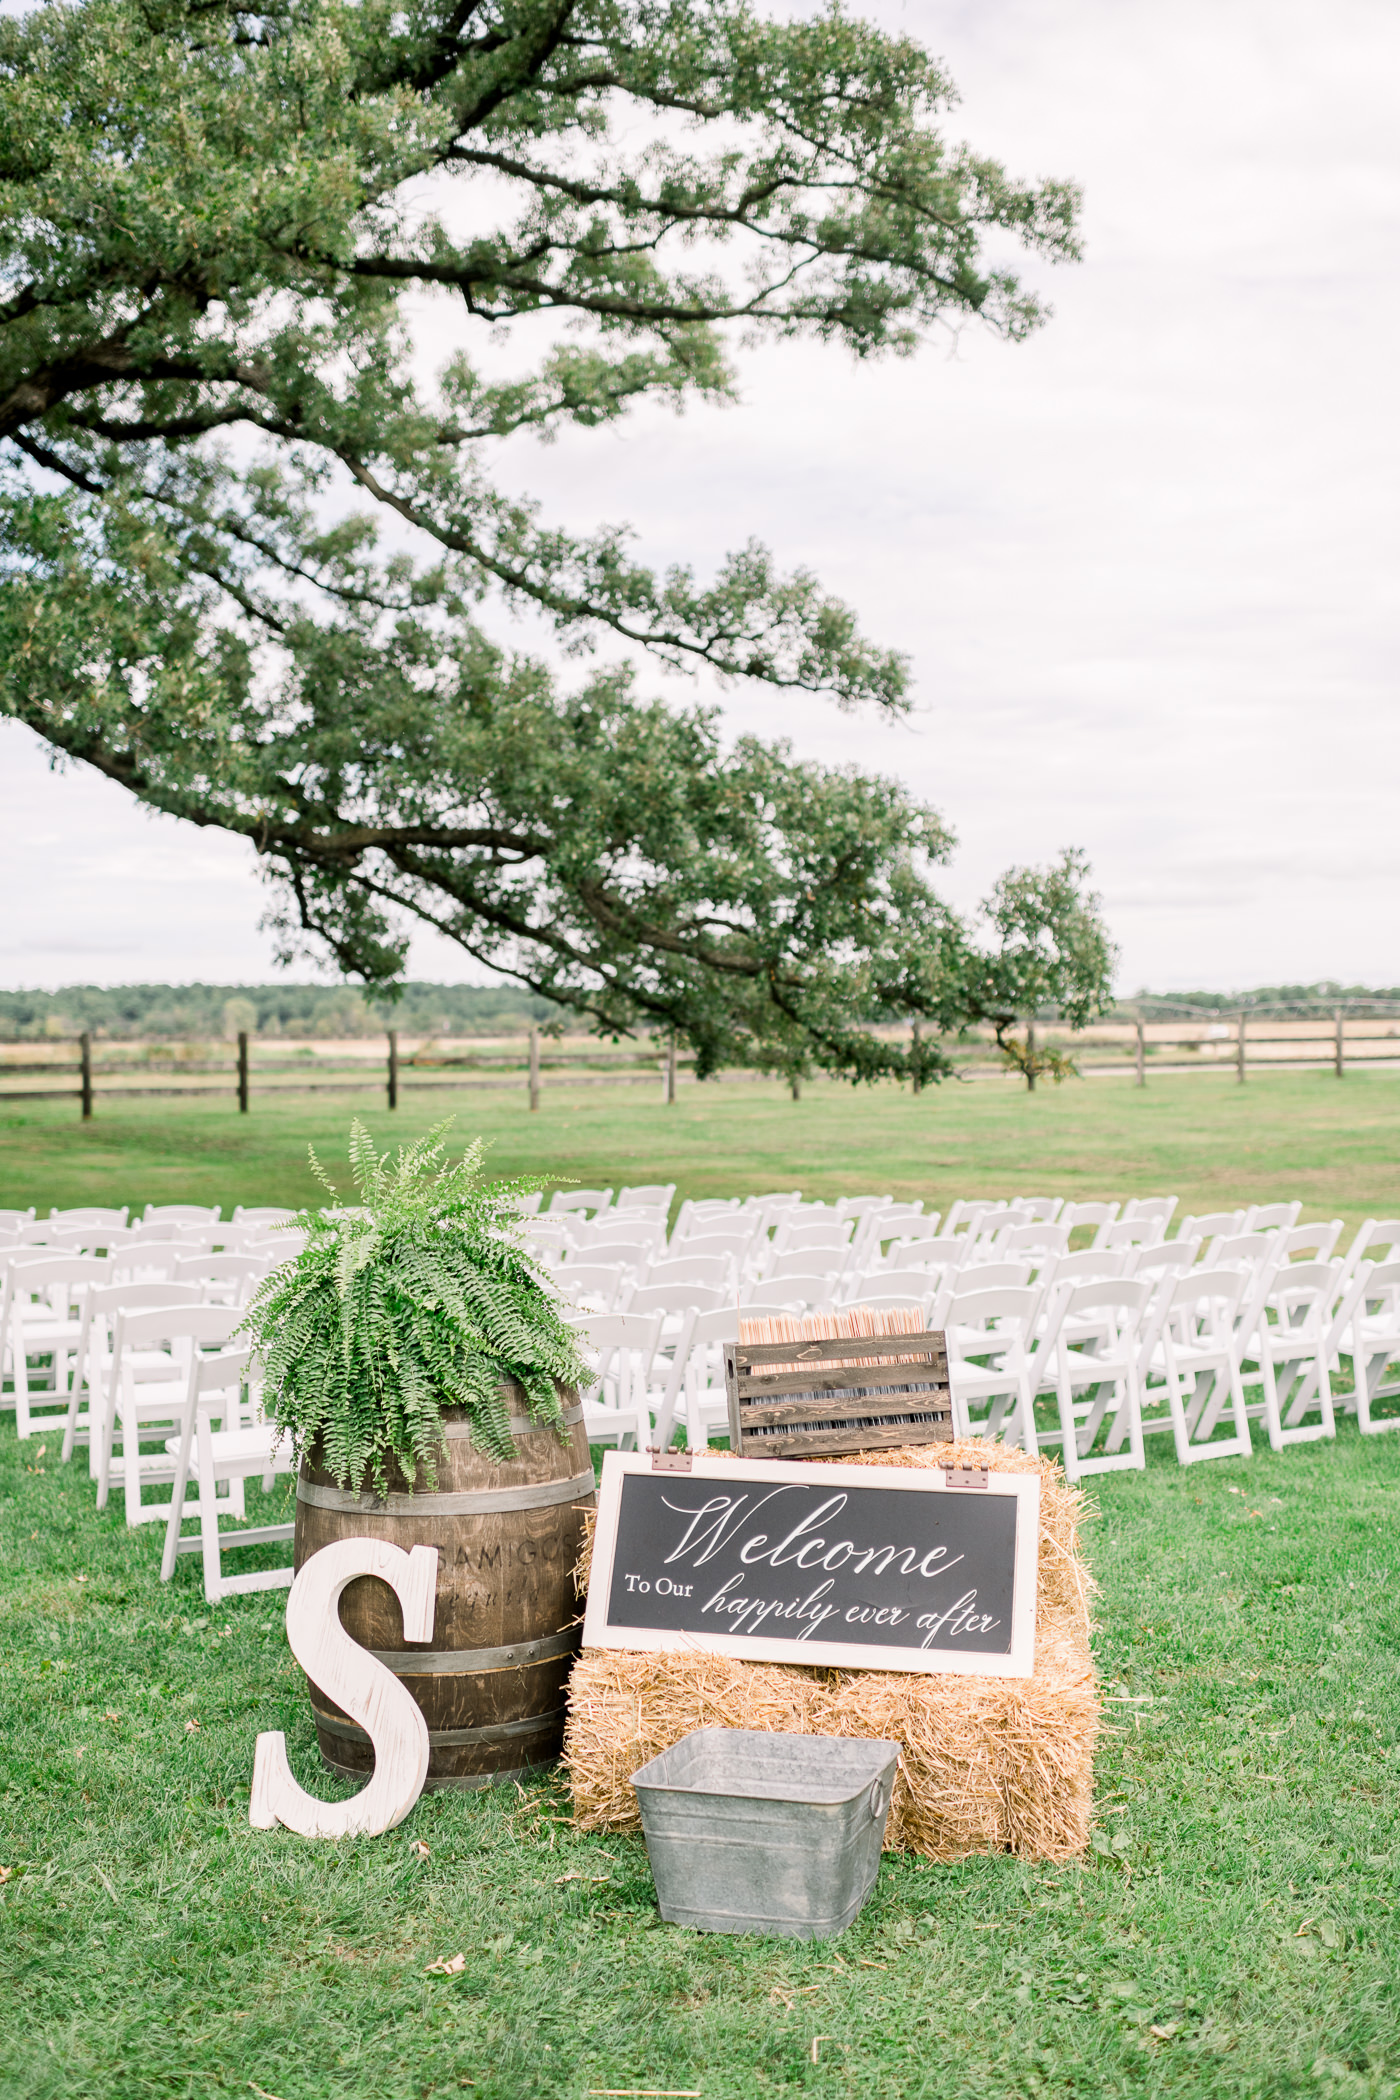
point(1123, 1044)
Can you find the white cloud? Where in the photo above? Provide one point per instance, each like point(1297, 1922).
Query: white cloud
point(1144, 563)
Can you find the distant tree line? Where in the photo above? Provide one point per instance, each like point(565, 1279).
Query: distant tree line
point(198, 1011)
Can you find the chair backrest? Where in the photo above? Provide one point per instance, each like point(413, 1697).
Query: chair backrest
point(1126, 1294)
point(600, 1278)
point(808, 1261)
point(223, 1373)
point(620, 1225)
point(50, 1273)
point(218, 1268)
point(1210, 1225)
point(732, 1244)
point(1008, 1307)
point(1374, 1235)
point(1253, 1248)
point(579, 1199)
point(1304, 1286)
point(638, 1333)
point(801, 1236)
point(1151, 1207)
point(1166, 1257)
point(1316, 1242)
point(1209, 1297)
point(1035, 1238)
point(243, 1215)
point(1089, 1265)
point(649, 1195)
point(715, 1270)
point(799, 1288)
point(181, 1214)
point(115, 1219)
point(1270, 1217)
point(86, 1239)
point(150, 1258)
point(914, 1286)
point(671, 1298)
point(113, 1298)
point(202, 1324)
point(992, 1276)
point(1077, 1214)
point(934, 1250)
point(1133, 1232)
point(624, 1254)
point(861, 1206)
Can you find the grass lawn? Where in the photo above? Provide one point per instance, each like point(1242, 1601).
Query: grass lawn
point(1201, 1137)
point(1234, 1931)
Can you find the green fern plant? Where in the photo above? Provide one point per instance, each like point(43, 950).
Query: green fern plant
point(417, 1298)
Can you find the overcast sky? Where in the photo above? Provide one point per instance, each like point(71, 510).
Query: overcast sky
point(1145, 564)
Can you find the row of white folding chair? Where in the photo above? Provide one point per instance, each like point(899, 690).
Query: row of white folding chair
point(163, 1385)
point(47, 1305)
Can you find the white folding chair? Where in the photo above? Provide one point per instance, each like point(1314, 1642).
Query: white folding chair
point(1087, 1265)
point(907, 1286)
point(1291, 1352)
point(147, 1261)
point(41, 1322)
point(1160, 1207)
point(1100, 1215)
point(92, 1362)
point(147, 1397)
point(990, 1334)
point(921, 1250)
point(181, 1214)
point(593, 1286)
point(110, 1218)
point(208, 1457)
point(815, 1292)
point(243, 1215)
point(595, 1200)
point(617, 1408)
point(1310, 1242)
point(1194, 1346)
point(1168, 1258)
point(654, 1196)
point(1105, 1363)
point(1366, 1330)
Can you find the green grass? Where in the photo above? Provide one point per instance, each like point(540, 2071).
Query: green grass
point(1200, 1137)
point(1234, 1933)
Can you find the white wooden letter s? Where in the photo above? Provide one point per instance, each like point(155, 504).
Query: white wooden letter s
point(360, 1685)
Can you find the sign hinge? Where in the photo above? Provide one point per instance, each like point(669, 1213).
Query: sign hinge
point(678, 1461)
point(965, 1476)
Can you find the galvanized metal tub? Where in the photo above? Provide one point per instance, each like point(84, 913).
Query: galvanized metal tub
point(753, 1831)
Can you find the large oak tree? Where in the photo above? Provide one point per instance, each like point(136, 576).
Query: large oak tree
point(249, 551)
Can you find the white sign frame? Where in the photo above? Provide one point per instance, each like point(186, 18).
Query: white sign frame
point(1019, 1661)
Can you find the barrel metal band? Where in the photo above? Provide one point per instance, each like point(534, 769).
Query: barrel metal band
point(546, 1494)
point(458, 1662)
point(451, 1738)
point(468, 1782)
point(520, 1425)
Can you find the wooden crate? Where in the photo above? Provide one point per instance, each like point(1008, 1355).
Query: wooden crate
point(817, 1399)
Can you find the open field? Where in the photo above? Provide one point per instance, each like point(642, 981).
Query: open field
point(1234, 1932)
point(1334, 1143)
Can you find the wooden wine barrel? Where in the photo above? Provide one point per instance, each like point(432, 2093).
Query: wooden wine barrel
point(491, 1682)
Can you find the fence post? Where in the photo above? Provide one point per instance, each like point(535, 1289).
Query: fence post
point(242, 1071)
point(1141, 1053)
point(534, 1066)
point(1341, 1044)
point(393, 1069)
point(1239, 1049)
point(1030, 1057)
point(85, 1056)
point(917, 1085)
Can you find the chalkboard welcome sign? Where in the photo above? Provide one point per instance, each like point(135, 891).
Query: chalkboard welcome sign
point(860, 1567)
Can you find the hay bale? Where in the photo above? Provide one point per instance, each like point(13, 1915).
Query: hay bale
point(988, 1764)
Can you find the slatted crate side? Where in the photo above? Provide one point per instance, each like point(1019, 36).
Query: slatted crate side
point(839, 1401)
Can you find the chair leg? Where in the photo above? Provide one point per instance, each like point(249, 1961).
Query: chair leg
point(209, 1514)
point(1069, 1443)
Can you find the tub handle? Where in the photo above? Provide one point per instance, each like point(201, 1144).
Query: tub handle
point(879, 1800)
